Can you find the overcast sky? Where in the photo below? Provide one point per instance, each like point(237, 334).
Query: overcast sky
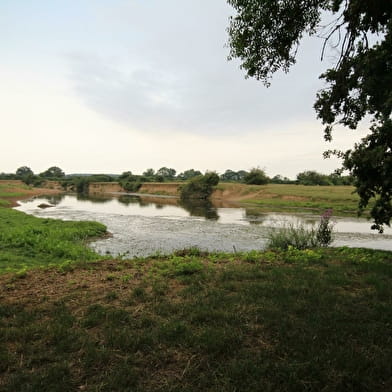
point(116, 85)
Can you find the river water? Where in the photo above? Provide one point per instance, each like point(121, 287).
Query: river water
point(145, 225)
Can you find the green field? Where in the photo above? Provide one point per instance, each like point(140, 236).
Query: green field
point(295, 320)
point(281, 197)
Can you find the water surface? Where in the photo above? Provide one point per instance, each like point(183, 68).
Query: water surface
point(142, 226)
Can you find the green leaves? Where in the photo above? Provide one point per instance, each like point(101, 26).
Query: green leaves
point(265, 35)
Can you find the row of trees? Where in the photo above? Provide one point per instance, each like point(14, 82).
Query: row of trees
point(255, 176)
point(25, 174)
point(132, 182)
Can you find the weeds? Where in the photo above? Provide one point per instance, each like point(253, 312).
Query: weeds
point(299, 236)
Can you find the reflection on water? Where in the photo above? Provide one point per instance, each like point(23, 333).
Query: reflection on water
point(143, 225)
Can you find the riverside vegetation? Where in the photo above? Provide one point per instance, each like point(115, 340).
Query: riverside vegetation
point(277, 320)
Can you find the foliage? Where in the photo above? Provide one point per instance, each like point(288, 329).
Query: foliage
point(24, 171)
point(265, 36)
point(233, 176)
point(256, 177)
point(166, 173)
point(278, 179)
point(299, 236)
point(325, 229)
point(200, 187)
point(188, 174)
point(130, 182)
point(311, 177)
point(292, 236)
point(82, 184)
point(131, 186)
point(27, 241)
point(52, 172)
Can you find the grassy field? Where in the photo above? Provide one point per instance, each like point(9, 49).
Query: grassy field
point(310, 320)
point(281, 197)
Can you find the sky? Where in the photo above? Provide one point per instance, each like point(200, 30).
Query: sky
point(107, 86)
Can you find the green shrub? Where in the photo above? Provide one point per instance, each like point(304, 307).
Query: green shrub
point(200, 187)
point(256, 177)
point(297, 236)
point(131, 186)
point(300, 237)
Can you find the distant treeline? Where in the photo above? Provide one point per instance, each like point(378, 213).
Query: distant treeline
point(132, 182)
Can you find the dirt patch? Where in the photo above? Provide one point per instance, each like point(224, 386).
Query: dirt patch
point(92, 283)
point(164, 188)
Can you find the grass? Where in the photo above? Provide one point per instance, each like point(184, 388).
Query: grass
point(275, 321)
point(28, 242)
point(282, 197)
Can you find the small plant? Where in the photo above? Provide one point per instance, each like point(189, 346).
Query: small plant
point(325, 229)
point(296, 236)
point(301, 237)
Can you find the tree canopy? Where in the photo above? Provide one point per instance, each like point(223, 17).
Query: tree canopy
point(24, 171)
point(53, 172)
point(265, 36)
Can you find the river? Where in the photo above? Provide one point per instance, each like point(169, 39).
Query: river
point(142, 225)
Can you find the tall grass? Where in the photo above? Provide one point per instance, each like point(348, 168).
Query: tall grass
point(293, 235)
point(299, 236)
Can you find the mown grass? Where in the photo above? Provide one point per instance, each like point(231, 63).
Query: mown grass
point(262, 321)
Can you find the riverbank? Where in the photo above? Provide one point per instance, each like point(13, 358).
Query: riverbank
point(274, 197)
point(271, 197)
point(12, 191)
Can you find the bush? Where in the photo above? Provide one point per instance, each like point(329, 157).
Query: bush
point(295, 236)
point(311, 177)
point(325, 229)
point(300, 237)
point(256, 177)
point(131, 186)
point(200, 187)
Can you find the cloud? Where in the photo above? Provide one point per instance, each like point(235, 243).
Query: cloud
point(171, 73)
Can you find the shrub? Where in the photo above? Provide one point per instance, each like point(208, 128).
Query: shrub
point(132, 186)
point(296, 236)
point(325, 229)
point(300, 237)
point(256, 177)
point(200, 187)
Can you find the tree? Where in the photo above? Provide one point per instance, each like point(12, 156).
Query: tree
point(53, 172)
point(279, 179)
point(256, 177)
point(200, 187)
point(188, 174)
point(311, 177)
point(24, 171)
point(149, 173)
point(166, 173)
point(265, 35)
